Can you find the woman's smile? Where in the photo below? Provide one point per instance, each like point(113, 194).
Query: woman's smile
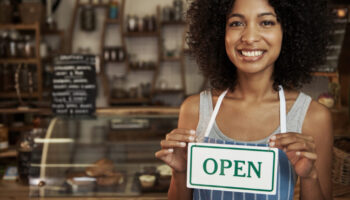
point(251, 55)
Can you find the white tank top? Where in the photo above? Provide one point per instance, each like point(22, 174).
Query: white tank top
point(295, 118)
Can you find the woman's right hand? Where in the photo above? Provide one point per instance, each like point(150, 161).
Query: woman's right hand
point(174, 151)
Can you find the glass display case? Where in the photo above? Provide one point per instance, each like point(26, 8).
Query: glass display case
point(101, 156)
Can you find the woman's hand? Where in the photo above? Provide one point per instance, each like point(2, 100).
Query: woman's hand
point(300, 150)
point(174, 151)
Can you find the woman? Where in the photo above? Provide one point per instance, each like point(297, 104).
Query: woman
point(255, 48)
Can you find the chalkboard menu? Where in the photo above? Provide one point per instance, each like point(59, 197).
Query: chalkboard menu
point(74, 87)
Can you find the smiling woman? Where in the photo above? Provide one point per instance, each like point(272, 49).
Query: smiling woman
point(253, 36)
point(256, 54)
point(304, 25)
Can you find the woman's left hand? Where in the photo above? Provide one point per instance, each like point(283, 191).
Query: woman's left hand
point(300, 150)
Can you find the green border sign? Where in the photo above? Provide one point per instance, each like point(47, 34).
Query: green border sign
point(249, 148)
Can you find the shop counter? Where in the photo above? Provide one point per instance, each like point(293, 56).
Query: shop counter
point(105, 156)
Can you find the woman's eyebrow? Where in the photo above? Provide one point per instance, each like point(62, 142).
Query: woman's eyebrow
point(259, 15)
point(236, 15)
point(266, 13)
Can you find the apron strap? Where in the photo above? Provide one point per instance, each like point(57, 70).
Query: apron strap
point(283, 118)
point(215, 112)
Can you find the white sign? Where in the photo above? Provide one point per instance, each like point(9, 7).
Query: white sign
point(232, 168)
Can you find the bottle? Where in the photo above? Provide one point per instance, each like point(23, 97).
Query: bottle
point(140, 24)
point(4, 44)
point(178, 8)
point(114, 9)
point(4, 140)
point(28, 46)
point(132, 23)
point(13, 51)
point(43, 49)
point(7, 78)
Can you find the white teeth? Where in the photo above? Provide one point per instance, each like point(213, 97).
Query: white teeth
point(252, 53)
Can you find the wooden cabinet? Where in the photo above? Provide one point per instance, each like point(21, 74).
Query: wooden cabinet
point(30, 66)
point(136, 92)
point(173, 57)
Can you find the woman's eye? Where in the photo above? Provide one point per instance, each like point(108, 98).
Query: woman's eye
point(268, 23)
point(236, 24)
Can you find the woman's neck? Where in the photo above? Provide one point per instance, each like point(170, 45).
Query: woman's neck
point(254, 88)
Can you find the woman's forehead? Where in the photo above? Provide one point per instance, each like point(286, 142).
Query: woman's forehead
point(251, 7)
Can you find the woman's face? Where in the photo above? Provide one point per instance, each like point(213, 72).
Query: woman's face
point(253, 36)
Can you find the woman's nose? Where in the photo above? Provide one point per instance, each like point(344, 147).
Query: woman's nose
point(250, 34)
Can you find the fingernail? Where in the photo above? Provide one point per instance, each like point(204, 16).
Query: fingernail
point(171, 150)
point(192, 132)
point(298, 153)
point(183, 144)
point(272, 144)
point(191, 138)
point(273, 138)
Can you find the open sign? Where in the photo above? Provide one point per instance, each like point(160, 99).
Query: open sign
point(232, 168)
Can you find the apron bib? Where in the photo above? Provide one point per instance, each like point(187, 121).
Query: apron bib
point(285, 175)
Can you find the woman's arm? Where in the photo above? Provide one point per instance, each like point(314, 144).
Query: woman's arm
point(311, 153)
point(318, 124)
point(176, 141)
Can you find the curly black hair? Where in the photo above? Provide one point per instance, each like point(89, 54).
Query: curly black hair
point(305, 27)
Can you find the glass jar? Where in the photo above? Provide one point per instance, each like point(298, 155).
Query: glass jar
point(132, 23)
point(119, 86)
point(88, 18)
point(29, 46)
point(25, 148)
point(20, 46)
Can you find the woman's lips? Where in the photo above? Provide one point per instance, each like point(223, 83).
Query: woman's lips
point(251, 55)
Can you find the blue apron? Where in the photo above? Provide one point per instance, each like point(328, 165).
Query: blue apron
point(285, 175)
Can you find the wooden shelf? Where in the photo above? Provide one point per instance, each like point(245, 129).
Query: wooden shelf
point(11, 152)
point(20, 26)
point(14, 95)
point(119, 62)
point(20, 128)
point(171, 59)
point(46, 111)
point(173, 23)
point(131, 110)
point(325, 74)
point(113, 21)
point(20, 60)
point(129, 100)
point(52, 32)
point(159, 91)
point(141, 34)
point(98, 5)
point(141, 69)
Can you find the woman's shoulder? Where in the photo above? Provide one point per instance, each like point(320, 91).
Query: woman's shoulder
point(189, 112)
point(318, 119)
point(318, 113)
point(191, 104)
